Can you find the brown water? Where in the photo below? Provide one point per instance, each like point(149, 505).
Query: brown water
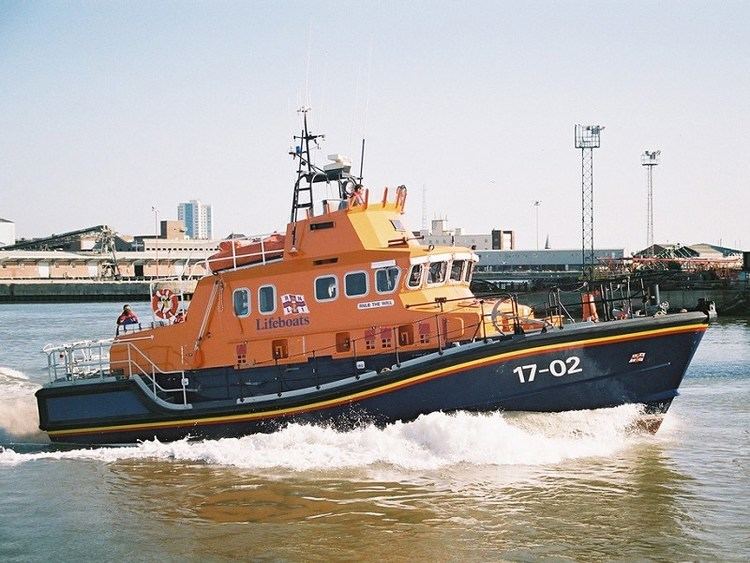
point(579, 486)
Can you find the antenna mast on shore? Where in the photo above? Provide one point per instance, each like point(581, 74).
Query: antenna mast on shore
point(587, 138)
point(649, 159)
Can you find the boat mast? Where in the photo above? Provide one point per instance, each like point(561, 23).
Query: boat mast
point(306, 170)
point(308, 173)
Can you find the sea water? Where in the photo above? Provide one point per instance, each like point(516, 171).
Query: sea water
point(578, 485)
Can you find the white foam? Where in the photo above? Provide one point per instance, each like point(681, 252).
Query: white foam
point(11, 374)
point(19, 417)
point(431, 442)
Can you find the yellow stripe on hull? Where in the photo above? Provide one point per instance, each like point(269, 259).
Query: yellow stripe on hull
point(382, 389)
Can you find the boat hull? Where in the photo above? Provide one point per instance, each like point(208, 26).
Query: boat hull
point(638, 361)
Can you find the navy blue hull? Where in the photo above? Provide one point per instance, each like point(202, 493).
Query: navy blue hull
point(638, 361)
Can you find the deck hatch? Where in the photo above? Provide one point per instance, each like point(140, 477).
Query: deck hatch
point(280, 349)
point(343, 342)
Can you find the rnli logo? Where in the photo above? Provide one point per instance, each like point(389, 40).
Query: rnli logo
point(294, 304)
point(637, 358)
point(291, 304)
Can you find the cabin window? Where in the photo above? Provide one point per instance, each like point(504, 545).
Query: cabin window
point(436, 273)
point(469, 272)
point(326, 288)
point(398, 225)
point(241, 300)
point(267, 299)
point(355, 284)
point(415, 277)
point(457, 270)
point(386, 279)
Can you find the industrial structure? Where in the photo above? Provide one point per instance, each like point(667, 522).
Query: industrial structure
point(694, 257)
point(440, 235)
point(50, 265)
point(587, 138)
point(649, 159)
point(100, 253)
point(87, 239)
point(532, 265)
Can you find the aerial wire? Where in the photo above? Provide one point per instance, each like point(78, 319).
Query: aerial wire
point(307, 67)
point(354, 109)
point(367, 107)
point(367, 88)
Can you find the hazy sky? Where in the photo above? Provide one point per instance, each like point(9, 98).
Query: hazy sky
point(110, 108)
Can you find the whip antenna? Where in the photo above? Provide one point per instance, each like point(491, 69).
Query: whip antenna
point(362, 160)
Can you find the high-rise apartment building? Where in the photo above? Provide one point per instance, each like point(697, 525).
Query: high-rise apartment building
point(197, 219)
point(7, 232)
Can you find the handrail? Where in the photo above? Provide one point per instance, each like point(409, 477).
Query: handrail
point(481, 325)
point(138, 364)
point(130, 362)
point(88, 359)
point(474, 298)
point(218, 286)
point(123, 340)
point(390, 329)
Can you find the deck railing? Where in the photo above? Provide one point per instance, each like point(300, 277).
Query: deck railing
point(78, 360)
point(439, 339)
point(90, 359)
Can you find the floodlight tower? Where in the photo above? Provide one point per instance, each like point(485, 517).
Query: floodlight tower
point(587, 138)
point(649, 159)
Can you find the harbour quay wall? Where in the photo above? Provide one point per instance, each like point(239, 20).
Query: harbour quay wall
point(54, 291)
point(729, 302)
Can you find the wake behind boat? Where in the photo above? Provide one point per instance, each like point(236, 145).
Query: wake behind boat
point(347, 319)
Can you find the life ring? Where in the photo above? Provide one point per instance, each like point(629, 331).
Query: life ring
point(504, 318)
point(165, 303)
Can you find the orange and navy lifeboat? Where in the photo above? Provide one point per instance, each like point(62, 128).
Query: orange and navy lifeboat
point(348, 319)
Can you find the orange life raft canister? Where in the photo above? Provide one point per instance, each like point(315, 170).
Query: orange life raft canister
point(234, 253)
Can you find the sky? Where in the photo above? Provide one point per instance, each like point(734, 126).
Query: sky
point(110, 109)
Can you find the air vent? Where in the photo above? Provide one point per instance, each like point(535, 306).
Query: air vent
point(321, 225)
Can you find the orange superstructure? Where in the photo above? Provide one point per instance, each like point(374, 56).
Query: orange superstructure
point(351, 282)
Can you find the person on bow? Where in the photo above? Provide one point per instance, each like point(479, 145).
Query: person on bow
point(127, 317)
